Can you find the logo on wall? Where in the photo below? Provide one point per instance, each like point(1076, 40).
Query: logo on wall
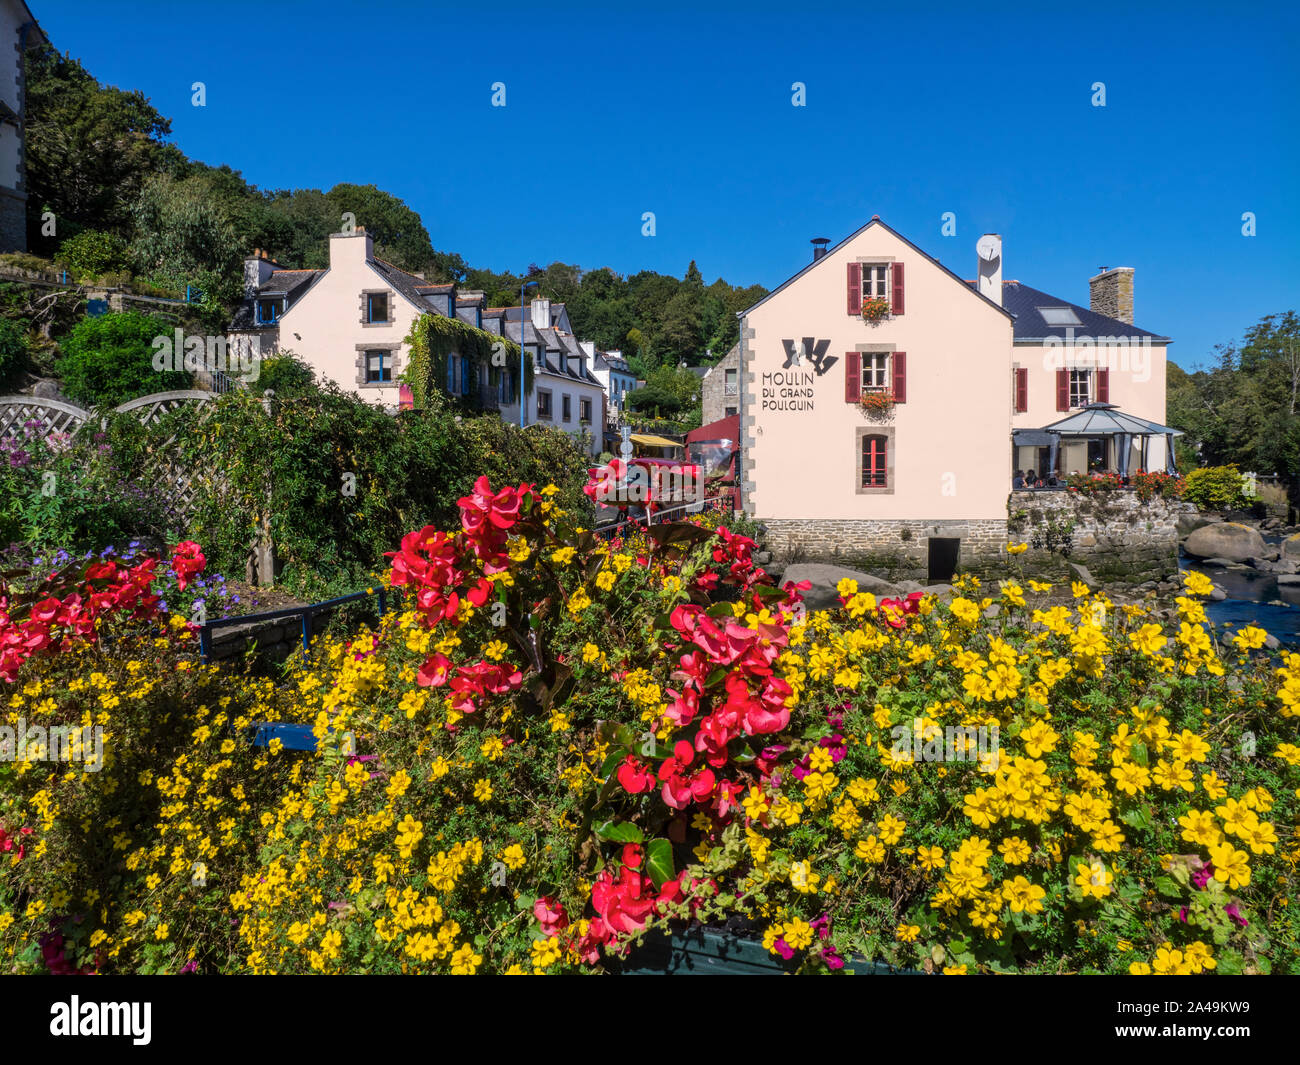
point(813, 351)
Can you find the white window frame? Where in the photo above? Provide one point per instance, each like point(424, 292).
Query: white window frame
point(876, 276)
point(874, 364)
point(1080, 385)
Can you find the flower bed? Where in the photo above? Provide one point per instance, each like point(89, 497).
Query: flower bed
point(559, 747)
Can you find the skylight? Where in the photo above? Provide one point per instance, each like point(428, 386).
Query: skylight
point(1059, 316)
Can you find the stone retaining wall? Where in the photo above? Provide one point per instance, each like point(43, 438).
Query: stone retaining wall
point(896, 549)
point(1119, 537)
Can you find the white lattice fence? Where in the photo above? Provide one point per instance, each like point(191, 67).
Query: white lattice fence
point(49, 417)
point(21, 416)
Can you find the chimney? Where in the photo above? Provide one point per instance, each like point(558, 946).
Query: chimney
point(346, 247)
point(257, 268)
point(1111, 293)
point(541, 313)
point(588, 348)
point(989, 252)
point(819, 247)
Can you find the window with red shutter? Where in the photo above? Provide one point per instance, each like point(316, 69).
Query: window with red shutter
point(1062, 389)
point(1022, 390)
point(896, 303)
point(855, 288)
point(1103, 386)
point(875, 469)
point(852, 377)
point(900, 376)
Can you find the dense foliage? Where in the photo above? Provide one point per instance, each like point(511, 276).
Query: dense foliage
point(109, 359)
point(1216, 488)
point(1246, 408)
point(433, 338)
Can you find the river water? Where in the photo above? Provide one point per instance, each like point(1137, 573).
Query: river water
point(1251, 599)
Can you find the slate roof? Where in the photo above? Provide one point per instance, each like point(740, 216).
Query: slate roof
point(412, 287)
point(1026, 303)
point(552, 341)
point(288, 283)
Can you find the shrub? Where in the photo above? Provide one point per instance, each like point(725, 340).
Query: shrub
point(286, 375)
point(93, 253)
point(109, 360)
point(1164, 485)
point(1216, 488)
point(13, 351)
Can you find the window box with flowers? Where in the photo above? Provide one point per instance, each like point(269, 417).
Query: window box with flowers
point(877, 405)
point(875, 309)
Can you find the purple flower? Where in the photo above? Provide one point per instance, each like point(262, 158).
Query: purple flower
point(1232, 911)
point(783, 948)
point(1182, 914)
point(1202, 877)
point(189, 967)
point(831, 958)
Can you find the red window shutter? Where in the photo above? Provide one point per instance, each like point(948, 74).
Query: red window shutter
point(896, 279)
point(1022, 390)
point(852, 377)
point(1062, 389)
point(899, 363)
point(855, 288)
point(1103, 386)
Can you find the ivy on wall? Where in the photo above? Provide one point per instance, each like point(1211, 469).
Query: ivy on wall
point(434, 337)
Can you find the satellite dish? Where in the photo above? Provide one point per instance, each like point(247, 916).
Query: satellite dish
point(988, 248)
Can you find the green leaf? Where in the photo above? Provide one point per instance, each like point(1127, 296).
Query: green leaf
point(612, 761)
point(659, 861)
point(1168, 887)
point(618, 831)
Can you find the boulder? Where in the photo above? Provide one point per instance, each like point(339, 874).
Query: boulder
point(1189, 523)
point(1291, 548)
point(1288, 578)
point(822, 595)
point(1218, 595)
point(1228, 540)
point(1082, 573)
point(1216, 563)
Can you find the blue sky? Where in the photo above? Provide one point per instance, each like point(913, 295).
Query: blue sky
point(684, 110)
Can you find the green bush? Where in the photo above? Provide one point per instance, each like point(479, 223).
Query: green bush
point(109, 360)
point(13, 351)
point(286, 375)
point(93, 253)
point(1216, 488)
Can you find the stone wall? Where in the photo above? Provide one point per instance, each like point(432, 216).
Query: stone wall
point(896, 549)
point(713, 388)
point(1120, 538)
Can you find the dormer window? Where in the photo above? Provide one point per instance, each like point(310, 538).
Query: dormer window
point(267, 311)
point(377, 308)
point(564, 362)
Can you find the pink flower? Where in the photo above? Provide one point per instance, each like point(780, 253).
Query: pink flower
point(550, 915)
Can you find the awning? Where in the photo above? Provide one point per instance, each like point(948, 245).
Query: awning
point(1106, 419)
point(1032, 438)
point(646, 440)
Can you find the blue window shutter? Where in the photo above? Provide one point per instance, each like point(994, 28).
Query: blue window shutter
point(451, 374)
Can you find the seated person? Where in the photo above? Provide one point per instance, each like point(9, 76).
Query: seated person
point(1018, 481)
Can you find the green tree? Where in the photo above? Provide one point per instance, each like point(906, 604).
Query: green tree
point(109, 360)
point(13, 351)
point(93, 252)
point(89, 148)
point(184, 235)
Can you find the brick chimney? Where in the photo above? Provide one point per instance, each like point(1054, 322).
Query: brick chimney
point(1111, 293)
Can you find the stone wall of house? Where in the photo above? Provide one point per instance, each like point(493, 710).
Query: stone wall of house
point(714, 398)
point(896, 549)
point(1119, 537)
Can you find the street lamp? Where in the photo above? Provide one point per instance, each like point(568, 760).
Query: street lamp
point(523, 317)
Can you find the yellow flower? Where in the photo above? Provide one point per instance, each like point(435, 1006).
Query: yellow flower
point(1231, 866)
point(1017, 549)
point(483, 789)
point(907, 933)
point(513, 856)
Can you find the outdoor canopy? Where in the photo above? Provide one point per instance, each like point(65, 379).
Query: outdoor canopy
point(652, 441)
point(1105, 419)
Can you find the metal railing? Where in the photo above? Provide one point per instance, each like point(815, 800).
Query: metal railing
point(306, 613)
point(711, 504)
